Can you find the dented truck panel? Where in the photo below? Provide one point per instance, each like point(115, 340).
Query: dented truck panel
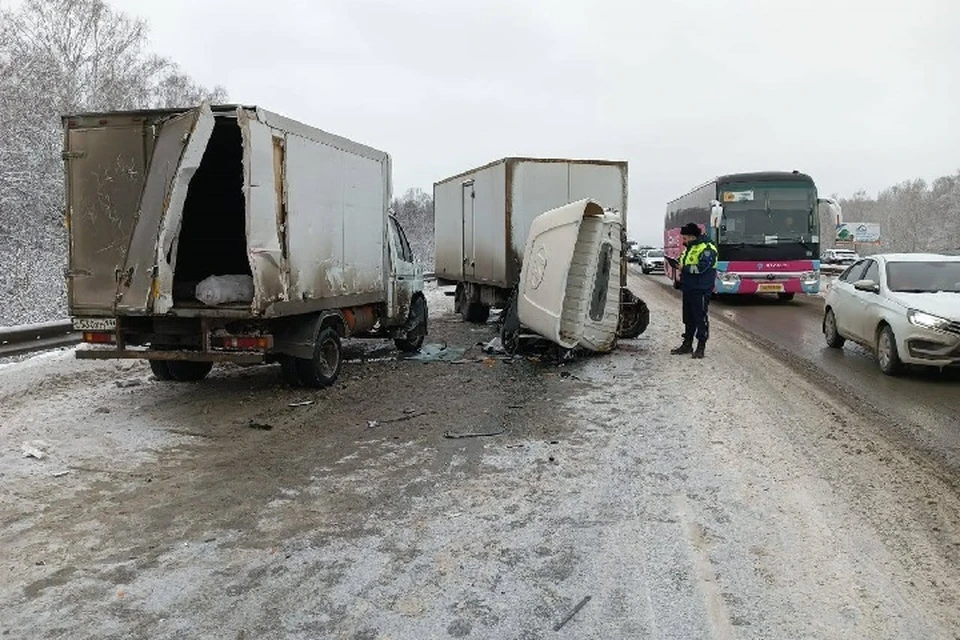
point(266, 210)
point(135, 286)
point(172, 216)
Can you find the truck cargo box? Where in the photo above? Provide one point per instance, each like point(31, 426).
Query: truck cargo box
point(482, 216)
point(158, 201)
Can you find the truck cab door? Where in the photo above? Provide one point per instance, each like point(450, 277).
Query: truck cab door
point(406, 276)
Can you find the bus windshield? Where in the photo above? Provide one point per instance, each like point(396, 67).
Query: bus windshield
point(769, 215)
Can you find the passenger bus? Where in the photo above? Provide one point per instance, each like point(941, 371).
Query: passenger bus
point(766, 227)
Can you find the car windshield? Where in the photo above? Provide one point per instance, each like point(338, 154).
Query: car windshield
point(923, 277)
point(654, 254)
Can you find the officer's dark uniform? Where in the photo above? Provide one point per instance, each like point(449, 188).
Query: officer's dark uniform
point(698, 272)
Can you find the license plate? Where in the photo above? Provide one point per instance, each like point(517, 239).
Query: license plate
point(94, 324)
point(770, 288)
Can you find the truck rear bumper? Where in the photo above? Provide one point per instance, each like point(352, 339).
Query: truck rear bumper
point(191, 356)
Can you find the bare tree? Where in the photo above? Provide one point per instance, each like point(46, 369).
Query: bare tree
point(56, 57)
point(414, 210)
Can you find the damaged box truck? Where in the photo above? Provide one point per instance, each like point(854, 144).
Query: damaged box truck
point(483, 218)
point(232, 234)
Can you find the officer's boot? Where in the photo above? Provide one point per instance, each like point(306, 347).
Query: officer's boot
point(701, 346)
point(685, 348)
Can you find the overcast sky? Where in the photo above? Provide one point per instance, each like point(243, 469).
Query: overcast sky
point(858, 93)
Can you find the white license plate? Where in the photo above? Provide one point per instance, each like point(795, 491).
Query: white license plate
point(94, 324)
point(770, 288)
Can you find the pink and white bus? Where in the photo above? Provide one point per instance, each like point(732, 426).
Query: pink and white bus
point(766, 227)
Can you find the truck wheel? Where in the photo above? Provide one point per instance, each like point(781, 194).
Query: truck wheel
point(289, 371)
point(160, 370)
point(416, 330)
point(187, 371)
point(322, 370)
point(475, 312)
point(634, 316)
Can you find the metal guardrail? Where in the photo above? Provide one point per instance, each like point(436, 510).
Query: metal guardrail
point(15, 341)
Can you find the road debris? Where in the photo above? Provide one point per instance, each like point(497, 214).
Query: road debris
point(570, 615)
point(128, 384)
point(303, 403)
point(35, 449)
point(495, 346)
point(436, 353)
point(372, 424)
point(260, 426)
point(474, 434)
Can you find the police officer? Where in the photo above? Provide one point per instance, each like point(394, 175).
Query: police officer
point(698, 271)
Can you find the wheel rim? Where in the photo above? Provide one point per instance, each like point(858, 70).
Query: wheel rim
point(329, 358)
point(884, 350)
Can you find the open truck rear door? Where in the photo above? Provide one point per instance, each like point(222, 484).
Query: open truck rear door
point(177, 151)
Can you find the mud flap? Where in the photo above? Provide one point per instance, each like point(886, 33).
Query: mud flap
point(634, 315)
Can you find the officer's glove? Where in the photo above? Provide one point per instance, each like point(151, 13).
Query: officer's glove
point(695, 269)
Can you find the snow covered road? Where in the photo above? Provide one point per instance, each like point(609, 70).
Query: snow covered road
point(735, 497)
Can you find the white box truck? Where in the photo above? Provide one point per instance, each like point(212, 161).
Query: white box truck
point(232, 234)
point(483, 217)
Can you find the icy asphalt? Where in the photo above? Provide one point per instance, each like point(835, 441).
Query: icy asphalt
point(737, 497)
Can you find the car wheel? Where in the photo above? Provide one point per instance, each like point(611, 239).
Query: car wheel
point(887, 355)
point(833, 337)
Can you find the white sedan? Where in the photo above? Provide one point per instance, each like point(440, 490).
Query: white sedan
point(903, 307)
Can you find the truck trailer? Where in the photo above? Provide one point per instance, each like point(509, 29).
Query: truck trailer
point(232, 234)
point(483, 218)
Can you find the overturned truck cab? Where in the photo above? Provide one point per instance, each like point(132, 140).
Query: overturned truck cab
point(572, 289)
point(232, 234)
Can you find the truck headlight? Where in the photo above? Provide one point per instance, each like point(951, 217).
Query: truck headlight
point(926, 320)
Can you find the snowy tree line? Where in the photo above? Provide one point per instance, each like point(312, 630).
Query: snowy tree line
point(414, 211)
point(913, 215)
point(59, 57)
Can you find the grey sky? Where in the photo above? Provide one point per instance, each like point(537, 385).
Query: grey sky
point(858, 93)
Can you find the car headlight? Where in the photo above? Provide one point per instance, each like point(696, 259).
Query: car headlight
point(926, 320)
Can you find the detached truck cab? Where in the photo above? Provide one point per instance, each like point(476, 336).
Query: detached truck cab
point(482, 219)
point(232, 234)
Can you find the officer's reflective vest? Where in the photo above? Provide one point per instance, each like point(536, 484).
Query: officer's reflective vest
point(691, 255)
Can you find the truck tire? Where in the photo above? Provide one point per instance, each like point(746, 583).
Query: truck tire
point(187, 371)
point(323, 369)
point(475, 312)
point(416, 330)
point(634, 315)
point(289, 371)
point(160, 370)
